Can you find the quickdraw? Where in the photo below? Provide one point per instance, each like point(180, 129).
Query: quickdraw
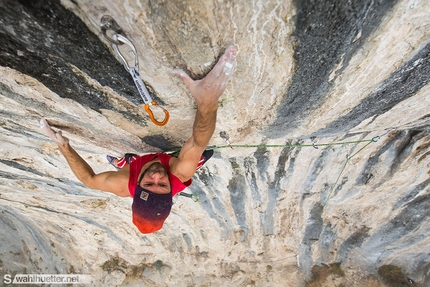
point(117, 39)
point(193, 196)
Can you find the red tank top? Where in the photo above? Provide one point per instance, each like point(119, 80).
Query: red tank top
point(136, 166)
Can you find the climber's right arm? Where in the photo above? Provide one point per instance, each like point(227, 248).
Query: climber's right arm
point(110, 181)
point(206, 93)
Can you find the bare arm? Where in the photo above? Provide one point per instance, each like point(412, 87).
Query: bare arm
point(110, 181)
point(206, 93)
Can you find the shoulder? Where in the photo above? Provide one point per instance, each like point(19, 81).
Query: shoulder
point(178, 168)
point(117, 182)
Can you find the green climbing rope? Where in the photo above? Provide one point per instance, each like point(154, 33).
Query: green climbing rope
point(375, 139)
point(175, 149)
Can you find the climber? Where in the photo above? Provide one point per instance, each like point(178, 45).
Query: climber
point(152, 180)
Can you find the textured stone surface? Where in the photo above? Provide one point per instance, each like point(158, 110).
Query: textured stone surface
point(324, 70)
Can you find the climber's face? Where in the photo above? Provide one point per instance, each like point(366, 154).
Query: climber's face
point(156, 179)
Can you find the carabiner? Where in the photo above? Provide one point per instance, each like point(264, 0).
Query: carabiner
point(134, 72)
point(123, 40)
point(151, 115)
point(375, 139)
point(193, 196)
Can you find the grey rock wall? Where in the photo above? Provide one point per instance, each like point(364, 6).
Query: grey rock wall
point(304, 187)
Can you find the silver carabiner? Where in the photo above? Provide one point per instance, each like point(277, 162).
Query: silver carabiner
point(123, 40)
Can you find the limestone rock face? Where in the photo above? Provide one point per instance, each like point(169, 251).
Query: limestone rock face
point(328, 110)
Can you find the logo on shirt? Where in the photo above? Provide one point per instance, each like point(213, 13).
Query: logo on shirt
point(144, 195)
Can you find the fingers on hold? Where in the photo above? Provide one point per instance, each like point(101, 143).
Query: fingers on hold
point(230, 54)
point(226, 62)
point(231, 57)
point(228, 68)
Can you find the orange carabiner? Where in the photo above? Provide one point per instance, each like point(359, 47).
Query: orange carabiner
point(151, 115)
